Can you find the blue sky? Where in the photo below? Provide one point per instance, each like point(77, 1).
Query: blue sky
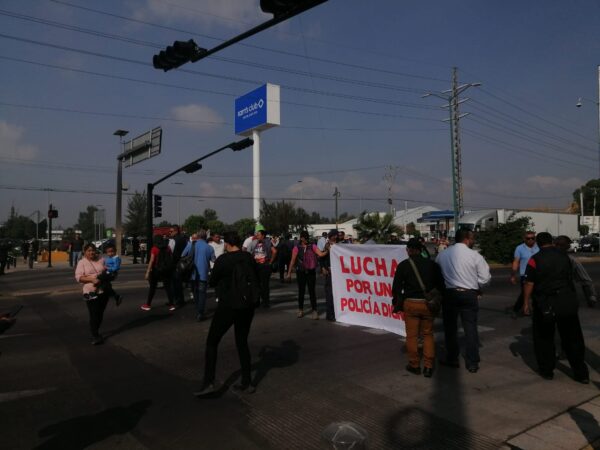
point(352, 74)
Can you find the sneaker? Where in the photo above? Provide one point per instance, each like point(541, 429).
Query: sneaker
point(172, 307)
point(314, 315)
point(300, 314)
point(146, 307)
point(118, 299)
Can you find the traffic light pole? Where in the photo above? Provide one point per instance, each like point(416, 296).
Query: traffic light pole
point(50, 235)
point(149, 224)
point(189, 168)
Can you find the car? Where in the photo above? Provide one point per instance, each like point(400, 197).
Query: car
point(589, 243)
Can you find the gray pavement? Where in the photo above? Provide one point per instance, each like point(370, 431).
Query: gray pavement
point(57, 391)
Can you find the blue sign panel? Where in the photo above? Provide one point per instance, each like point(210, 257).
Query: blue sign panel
point(251, 110)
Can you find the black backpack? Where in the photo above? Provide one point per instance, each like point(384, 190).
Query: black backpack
point(165, 264)
point(244, 284)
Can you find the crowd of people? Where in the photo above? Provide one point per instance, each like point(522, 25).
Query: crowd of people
point(240, 271)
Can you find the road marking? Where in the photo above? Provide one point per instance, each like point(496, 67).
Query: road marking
point(16, 395)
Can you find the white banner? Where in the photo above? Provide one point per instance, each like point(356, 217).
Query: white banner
point(362, 277)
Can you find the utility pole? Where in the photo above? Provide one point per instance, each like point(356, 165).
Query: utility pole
point(336, 194)
point(452, 97)
point(391, 172)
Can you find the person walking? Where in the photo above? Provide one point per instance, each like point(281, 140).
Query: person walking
point(160, 268)
point(75, 248)
point(549, 291)
point(325, 263)
point(86, 272)
point(304, 259)
point(523, 252)
point(406, 289)
point(465, 272)
point(177, 243)
point(264, 254)
point(284, 255)
point(232, 273)
point(203, 255)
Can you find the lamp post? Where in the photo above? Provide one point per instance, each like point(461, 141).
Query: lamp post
point(118, 225)
point(597, 102)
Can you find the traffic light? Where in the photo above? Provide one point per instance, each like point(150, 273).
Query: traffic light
point(52, 213)
point(177, 55)
point(281, 7)
point(193, 167)
point(158, 206)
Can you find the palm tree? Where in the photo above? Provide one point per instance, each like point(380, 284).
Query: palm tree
point(376, 226)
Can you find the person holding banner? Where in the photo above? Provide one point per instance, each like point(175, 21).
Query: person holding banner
point(408, 292)
point(465, 272)
point(325, 263)
point(304, 259)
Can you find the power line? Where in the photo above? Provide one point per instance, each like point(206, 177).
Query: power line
point(221, 76)
point(220, 39)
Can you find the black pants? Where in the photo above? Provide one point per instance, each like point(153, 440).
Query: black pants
point(153, 280)
point(330, 314)
point(241, 319)
point(177, 288)
point(571, 337)
point(263, 272)
point(96, 309)
point(518, 306)
point(307, 278)
point(466, 305)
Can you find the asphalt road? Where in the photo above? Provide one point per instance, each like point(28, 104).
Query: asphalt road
point(57, 391)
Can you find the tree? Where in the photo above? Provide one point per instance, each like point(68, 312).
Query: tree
point(243, 226)
point(375, 226)
point(194, 223)
point(591, 190)
point(135, 224)
point(282, 217)
point(210, 214)
point(85, 223)
point(411, 229)
point(21, 227)
point(498, 244)
point(344, 217)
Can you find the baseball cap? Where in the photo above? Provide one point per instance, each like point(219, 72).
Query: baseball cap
point(258, 228)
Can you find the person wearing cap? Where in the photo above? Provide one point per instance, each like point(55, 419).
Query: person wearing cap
point(325, 263)
point(264, 255)
point(417, 317)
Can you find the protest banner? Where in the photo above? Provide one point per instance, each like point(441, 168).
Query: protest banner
point(362, 277)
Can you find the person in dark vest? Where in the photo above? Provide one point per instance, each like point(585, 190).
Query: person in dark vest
point(135, 249)
point(325, 263)
point(177, 243)
point(550, 294)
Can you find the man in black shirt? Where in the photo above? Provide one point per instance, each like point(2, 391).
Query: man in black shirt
point(177, 243)
point(417, 316)
point(549, 282)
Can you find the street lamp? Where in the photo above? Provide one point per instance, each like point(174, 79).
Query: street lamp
point(118, 225)
point(597, 102)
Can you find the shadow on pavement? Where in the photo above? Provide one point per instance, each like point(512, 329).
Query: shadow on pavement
point(523, 347)
point(81, 432)
point(141, 322)
point(587, 423)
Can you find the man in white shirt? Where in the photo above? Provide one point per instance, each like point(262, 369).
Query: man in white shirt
point(217, 245)
point(465, 272)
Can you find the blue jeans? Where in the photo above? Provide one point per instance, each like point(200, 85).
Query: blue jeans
point(466, 305)
point(200, 296)
point(76, 257)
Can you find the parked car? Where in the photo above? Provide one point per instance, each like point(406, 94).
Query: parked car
point(589, 243)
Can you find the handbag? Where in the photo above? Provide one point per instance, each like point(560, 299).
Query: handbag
point(186, 265)
point(433, 298)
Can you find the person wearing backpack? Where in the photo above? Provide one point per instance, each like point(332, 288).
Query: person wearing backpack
point(304, 259)
point(160, 268)
point(235, 281)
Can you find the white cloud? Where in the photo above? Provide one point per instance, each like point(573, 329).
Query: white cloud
point(12, 145)
point(197, 117)
point(208, 13)
point(547, 182)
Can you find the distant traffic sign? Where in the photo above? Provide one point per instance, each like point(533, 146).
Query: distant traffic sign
point(142, 147)
point(257, 110)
